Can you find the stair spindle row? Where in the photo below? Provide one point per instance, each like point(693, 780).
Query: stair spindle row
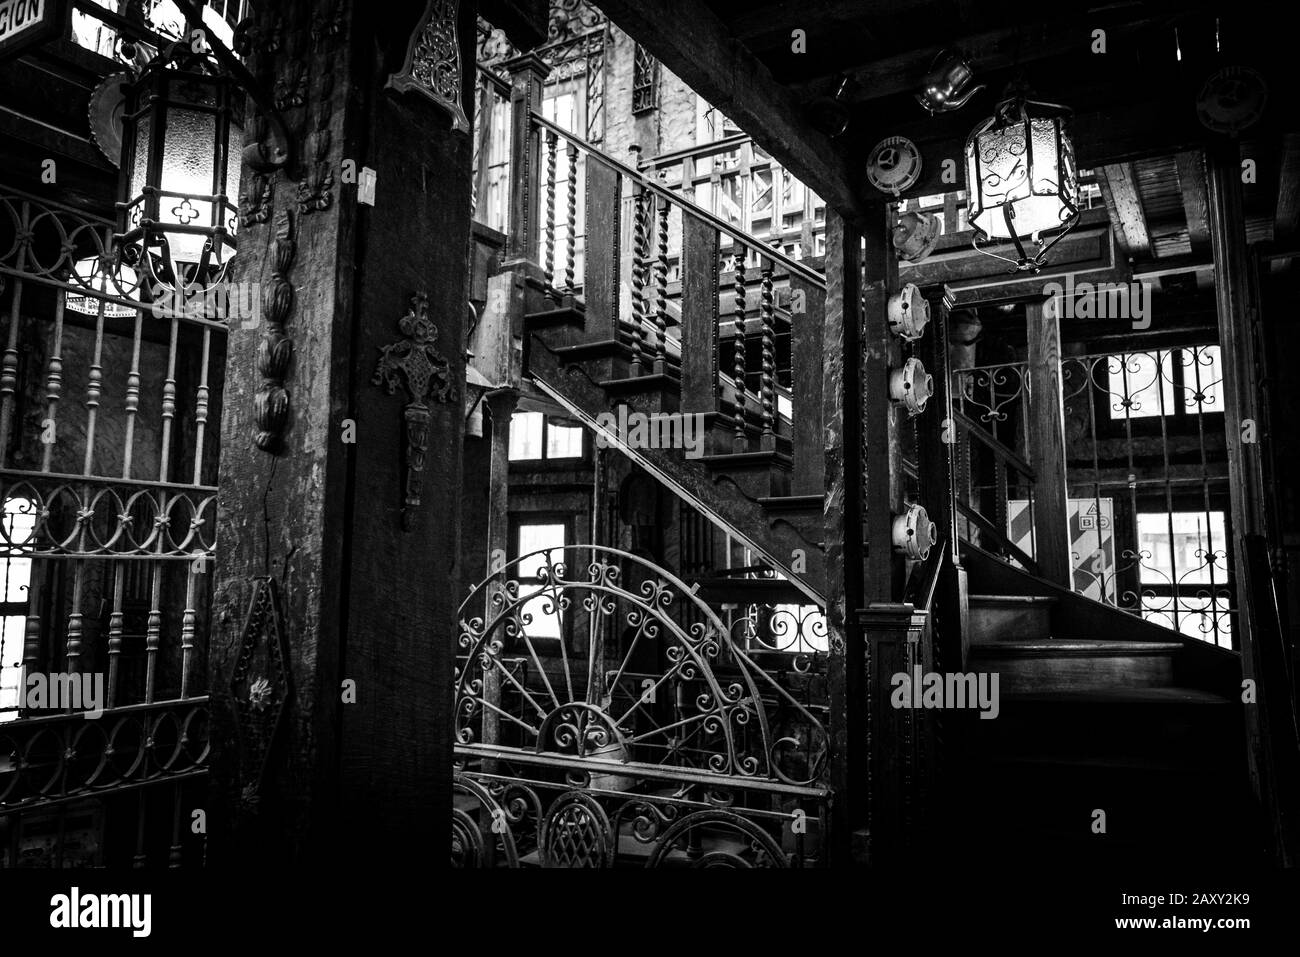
point(740, 443)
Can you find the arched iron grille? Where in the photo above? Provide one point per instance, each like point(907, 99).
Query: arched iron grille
point(642, 734)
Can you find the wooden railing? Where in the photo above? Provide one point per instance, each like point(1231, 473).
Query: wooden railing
point(686, 294)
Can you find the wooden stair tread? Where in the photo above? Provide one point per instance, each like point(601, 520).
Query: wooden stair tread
point(1119, 696)
point(1073, 647)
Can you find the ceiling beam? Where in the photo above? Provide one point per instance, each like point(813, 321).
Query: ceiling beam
point(1196, 204)
point(692, 42)
point(1288, 188)
point(999, 49)
point(1119, 188)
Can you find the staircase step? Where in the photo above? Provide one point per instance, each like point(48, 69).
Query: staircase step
point(1009, 617)
point(1169, 726)
point(1044, 665)
point(759, 475)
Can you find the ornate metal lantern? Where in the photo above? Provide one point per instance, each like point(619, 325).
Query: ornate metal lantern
point(180, 175)
point(1021, 179)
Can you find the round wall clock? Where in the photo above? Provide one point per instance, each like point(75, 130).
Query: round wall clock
point(1232, 99)
point(894, 165)
point(106, 105)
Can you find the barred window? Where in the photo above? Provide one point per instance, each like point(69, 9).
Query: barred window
point(645, 81)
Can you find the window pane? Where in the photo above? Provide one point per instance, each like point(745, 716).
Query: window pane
point(525, 436)
point(1191, 553)
point(545, 615)
point(1202, 371)
point(538, 538)
point(563, 441)
point(1140, 385)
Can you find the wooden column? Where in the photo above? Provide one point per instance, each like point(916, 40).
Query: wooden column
point(502, 407)
point(1045, 431)
point(1234, 299)
point(365, 578)
point(808, 372)
point(882, 462)
point(846, 671)
point(936, 432)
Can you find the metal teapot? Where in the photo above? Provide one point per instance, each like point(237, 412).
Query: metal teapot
point(947, 86)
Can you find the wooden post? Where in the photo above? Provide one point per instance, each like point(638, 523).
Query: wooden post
point(892, 648)
point(808, 373)
point(846, 666)
point(936, 432)
point(526, 75)
point(1046, 437)
point(1236, 327)
point(357, 768)
point(699, 309)
point(882, 462)
point(502, 406)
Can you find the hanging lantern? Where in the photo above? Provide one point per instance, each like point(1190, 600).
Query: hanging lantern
point(180, 176)
point(1021, 179)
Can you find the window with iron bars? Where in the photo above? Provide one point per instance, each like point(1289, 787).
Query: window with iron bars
point(645, 82)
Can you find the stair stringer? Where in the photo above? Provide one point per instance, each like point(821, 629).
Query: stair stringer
point(743, 517)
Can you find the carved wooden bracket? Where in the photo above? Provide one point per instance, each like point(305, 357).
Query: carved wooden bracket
point(432, 64)
point(416, 365)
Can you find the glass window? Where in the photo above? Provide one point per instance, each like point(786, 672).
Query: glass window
point(539, 544)
point(19, 521)
point(1166, 382)
point(1182, 547)
point(535, 436)
point(526, 435)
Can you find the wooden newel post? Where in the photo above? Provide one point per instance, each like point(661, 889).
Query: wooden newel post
point(893, 648)
point(1046, 440)
point(526, 75)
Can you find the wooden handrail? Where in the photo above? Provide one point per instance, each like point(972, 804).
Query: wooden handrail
point(1002, 451)
point(749, 242)
point(998, 536)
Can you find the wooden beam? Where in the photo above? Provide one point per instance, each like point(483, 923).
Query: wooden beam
point(1003, 48)
point(1288, 188)
point(693, 43)
point(1119, 188)
point(1191, 179)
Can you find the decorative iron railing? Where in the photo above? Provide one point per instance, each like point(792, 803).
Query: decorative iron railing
point(109, 391)
point(995, 481)
point(1147, 460)
point(606, 715)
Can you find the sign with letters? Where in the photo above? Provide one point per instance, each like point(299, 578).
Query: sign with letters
point(28, 23)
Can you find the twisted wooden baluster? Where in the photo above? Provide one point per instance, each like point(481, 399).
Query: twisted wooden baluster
point(571, 254)
point(548, 264)
point(661, 292)
point(640, 273)
point(740, 444)
point(767, 382)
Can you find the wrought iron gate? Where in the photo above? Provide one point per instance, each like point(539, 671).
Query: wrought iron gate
point(108, 463)
point(606, 716)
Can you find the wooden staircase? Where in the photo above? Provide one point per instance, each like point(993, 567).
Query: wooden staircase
point(1098, 711)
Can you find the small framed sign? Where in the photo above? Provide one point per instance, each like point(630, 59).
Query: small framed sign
point(28, 23)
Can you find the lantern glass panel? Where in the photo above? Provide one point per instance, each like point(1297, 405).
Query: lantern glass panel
point(188, 165)
point(139, 167)
point(1021, 167)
